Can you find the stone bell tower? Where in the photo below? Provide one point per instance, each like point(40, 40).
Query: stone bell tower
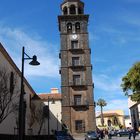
point(78, 112)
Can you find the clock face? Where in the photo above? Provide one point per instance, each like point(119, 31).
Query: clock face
point(74, 36)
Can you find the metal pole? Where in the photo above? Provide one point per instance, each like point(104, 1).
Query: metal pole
point(57, 121)
point(21, 131)
point(48, 117)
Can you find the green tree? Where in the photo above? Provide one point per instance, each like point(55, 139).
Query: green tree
point(101, 103)
point(131, 82)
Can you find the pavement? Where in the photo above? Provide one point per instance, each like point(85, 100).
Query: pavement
point(113, 138)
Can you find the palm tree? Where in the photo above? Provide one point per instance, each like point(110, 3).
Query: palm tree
point(102, 103)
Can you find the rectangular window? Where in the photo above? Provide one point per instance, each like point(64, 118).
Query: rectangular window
point(76, 79)
point(79, 125)
point(77, 100)
point(75, 61)
point(74, 44)
point(11, 82)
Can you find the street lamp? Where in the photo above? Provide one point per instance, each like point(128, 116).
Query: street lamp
point(48, 117)
point(57, 122)
point(22, 104)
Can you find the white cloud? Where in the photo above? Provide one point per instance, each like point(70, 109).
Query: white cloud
point(93, 37)
point(118, 104)
point(129, 17)
point(132, 1)
point(118, 34)
point(14, 39)
point(106, 83)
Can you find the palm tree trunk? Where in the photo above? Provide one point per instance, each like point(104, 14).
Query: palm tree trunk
point(102, 118)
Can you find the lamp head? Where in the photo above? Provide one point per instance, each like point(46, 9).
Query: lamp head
point(34, 61)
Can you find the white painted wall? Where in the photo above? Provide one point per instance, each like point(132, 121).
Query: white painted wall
point(8, 125)
point(130, 102)
point(56, 116)
point(127, 121)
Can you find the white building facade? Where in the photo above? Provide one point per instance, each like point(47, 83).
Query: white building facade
point(9, 125)
point(36, 105)
point(134, 108)
point(52, 119)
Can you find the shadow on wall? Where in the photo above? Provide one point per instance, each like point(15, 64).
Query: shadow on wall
point(42, 121)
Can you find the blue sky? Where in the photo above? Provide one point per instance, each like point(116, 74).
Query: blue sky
point(114, 29)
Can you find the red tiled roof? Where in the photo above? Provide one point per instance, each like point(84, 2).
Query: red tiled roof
point(56, 96)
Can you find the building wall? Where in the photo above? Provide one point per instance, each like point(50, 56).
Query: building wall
point(127, 122)
point(119, 115)
point(55, 115)
point(134, 108)
point(55, 112)
point(54, 121)
point(6, 63)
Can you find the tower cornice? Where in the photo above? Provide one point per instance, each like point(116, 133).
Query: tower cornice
point(73, 17)
point(65, 1)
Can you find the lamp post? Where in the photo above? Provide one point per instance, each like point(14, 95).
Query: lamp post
point(22, 104)
point(57, 122)
point(48, 117)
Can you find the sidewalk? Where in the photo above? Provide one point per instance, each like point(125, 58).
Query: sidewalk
point(79, 137)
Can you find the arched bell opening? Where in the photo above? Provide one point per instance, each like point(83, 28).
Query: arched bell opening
point(72, 9)
point(65, 11)
point(69, 27)
point(77, 27)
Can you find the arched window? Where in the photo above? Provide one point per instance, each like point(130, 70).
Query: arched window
point(115, 120)
point(69, 28)
point(72, 9)
point(109, 122)
point(77, 27)
point(80, 10)
point(65, 11)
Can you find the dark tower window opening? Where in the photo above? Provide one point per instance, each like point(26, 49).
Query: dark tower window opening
point(77, 99)
point(74, 44)
point(77, 27)
point(76, 79)
point(72, 10)
point(69, 28)
point(80, 10)
point(79, 126)
point(75, 61)
point(11, 82)
point(65, 11)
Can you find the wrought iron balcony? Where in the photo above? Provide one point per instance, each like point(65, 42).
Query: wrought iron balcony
point(77, 66)
point(78, 84)
point(76, 50)
point(84, 104)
